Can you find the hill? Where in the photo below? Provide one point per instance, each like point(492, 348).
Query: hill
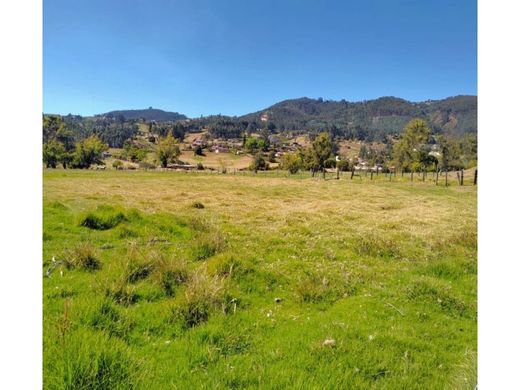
point(150, 114)
point(455, 115)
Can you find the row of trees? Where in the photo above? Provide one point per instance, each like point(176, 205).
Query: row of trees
point(83, 154)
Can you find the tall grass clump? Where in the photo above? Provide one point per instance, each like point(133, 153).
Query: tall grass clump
point(228, 265)
point(92, 361)
point(375, 246)
point(466, 374)
point(109, 319)
point(435, 292)
point(171, 273)
point(206, 246)
point(84, 257)
point(104, 218)
point(122, 293)
point(314, 288)
point(204, 294)
point(138, 267)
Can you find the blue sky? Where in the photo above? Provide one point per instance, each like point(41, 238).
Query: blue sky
point(201, 57)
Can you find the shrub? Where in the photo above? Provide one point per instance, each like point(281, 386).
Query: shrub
point(203, 295)
point(200, 167)
point(117, 164)
point(198, 151)
point(103, 219)
point(84, 257)
point(146, 165)
point(258, 163)
point(197, 205)
point(343, 165)
point(292, 162)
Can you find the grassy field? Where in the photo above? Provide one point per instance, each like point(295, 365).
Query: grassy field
point(169, 280)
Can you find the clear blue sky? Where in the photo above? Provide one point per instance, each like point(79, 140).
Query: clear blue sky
point(236, 56)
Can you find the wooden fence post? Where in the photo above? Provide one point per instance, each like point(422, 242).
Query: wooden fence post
point(475, 177)
point(411, 177)
point(371, 174)
point(446, 177)
point(436, 177)
point(352, 175)
point(462, 177)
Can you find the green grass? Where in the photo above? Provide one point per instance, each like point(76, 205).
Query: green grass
point(153, 292)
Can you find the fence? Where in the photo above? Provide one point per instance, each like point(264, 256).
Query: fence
point(440, 178)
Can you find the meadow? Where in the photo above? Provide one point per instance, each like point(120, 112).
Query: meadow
point(167, 280)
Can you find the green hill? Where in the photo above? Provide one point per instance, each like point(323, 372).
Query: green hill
point(455, 115)
point(150, 114)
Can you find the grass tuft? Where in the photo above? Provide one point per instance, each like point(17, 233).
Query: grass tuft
point(92, 361)
point(204, 294)
point(434, 292)
point(103, 218)
point(109, 319)
point(84, 257)
point(207, 246)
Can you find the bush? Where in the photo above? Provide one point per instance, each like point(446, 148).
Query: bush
point(292, 162)
point(84, 257)
point(200, 167)
point(146, 165)
point(197, 205)
point(117, 164)
point(343, 165)
point(258, 163)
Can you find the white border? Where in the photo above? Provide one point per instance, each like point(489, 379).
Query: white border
point(21, 195)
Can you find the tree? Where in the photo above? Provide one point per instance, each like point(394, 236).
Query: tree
point(198, 151)
point(410, 152)
point(258, 163)
point(167, 150)
point(292, 162)
point(88, 152)
point(450, 152)
point(53, 152)
point(319, 152)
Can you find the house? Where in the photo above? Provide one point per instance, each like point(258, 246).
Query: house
point(198, 142)
point(219, 149)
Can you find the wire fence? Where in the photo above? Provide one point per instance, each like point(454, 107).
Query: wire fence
point(440, 178)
